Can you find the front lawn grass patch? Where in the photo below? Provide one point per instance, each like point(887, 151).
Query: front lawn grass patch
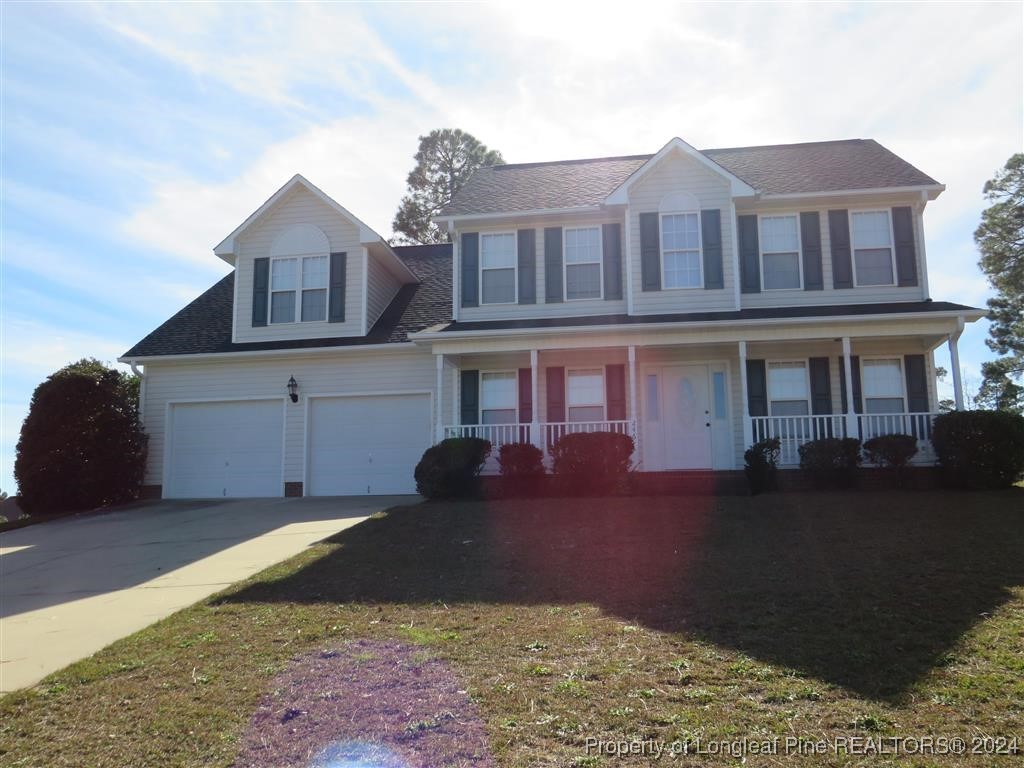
point(810, 615)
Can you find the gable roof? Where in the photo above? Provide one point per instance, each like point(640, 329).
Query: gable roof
point(204, 326)
point(780, 169)
point(225, 249)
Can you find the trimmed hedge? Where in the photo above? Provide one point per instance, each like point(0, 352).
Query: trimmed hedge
point(892, 451)
point(593, 463)
point(451, 469)
point(832, 462)
point(979, 449)
point(761, 465)
point(522, 468)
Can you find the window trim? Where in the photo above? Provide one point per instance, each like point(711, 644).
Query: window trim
point(604, 392)
point(903, 382)
point(514, 373)
point(700, 250)
point(806, 363)
point(599, 262)
point(799, 249)
point(298, 289)
point(853, 247)
point(515, 268)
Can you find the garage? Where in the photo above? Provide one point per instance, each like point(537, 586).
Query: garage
point(225, 449)
point(362, 445)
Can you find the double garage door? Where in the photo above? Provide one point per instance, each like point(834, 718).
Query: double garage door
point(355, 445)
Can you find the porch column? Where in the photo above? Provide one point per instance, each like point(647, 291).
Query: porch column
point(748, 425)
point(633, 415)
point(851, 417)
point(954, 361)
point(439, 409)
point(535, 431)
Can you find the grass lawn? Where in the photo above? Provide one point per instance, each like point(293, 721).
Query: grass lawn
point(530, 626)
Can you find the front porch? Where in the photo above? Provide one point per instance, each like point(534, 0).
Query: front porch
point(698, 406)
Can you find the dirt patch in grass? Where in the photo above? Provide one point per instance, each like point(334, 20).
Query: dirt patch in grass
point(677, 620)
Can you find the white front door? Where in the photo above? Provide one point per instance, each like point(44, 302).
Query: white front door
point(686, 411)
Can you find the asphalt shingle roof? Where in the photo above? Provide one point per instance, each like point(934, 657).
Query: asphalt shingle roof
point(824, 166)
point(204, 326)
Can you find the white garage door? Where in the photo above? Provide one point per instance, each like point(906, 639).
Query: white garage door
point(366, 445)
point(225, 449)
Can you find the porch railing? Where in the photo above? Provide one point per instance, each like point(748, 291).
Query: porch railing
point(547, 433)
point(794, 431)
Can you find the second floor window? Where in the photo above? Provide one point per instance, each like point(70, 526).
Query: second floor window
point(295, 296)
point(680, 250)
point(498, 268)
point(583, 274)
point(872, 247)
point(788, 389)
point(780, 252)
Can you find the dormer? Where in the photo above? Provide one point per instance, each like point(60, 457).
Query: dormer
point(307, 268)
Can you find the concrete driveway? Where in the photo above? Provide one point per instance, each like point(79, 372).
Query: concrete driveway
point(70, 587)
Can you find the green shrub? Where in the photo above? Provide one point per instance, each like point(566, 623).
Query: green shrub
point(892, 451)
point(832, 462)
point(761, 465)
point(593, 463)
point(451, 469)
point(980, 449)
point(82, 444)
point(522, 469)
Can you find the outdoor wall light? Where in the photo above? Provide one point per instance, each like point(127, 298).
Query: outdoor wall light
point(293, 389)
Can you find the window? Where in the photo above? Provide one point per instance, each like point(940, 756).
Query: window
point(872, 247)
point(680, 250)
point(314, 288)
point(652, 397)
point(498, 398)
point(882, 381)
point(586, 395)
point(583, 274)
point(788, 389)
point(498, 268)
point(284, 288)
point(780, 252)
point(718, 388)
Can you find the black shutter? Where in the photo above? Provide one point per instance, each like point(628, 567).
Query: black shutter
point(858, 403)
point(757, 388)
point(556, 394)
point(525, 396)
point(711, 231)
point(611, 235)
point(810, 241)
point(650, 252)
point(917, 383)
point(906, 255)
point(553, 265)
point(750, 256)
point(821, 386)
point(527, 248)
point(336, 292)
point(469, 397)
point(615, 391)
point(470, 255)
point(842, 258)
point(260, 288)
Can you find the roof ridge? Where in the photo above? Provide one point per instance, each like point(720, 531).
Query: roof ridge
point(829, 142)
point(576, 161)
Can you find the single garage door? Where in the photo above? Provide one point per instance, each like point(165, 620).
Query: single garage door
point(360, 445)
point(225, 449)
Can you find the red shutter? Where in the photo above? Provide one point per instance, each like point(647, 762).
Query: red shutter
point(615, 391)
point(525, 396)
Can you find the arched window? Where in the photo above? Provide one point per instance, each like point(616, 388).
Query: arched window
point(679, 216)
point(299, 270)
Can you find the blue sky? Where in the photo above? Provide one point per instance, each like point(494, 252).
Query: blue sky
point(135, 137)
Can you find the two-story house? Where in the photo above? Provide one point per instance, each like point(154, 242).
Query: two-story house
point(696, 300)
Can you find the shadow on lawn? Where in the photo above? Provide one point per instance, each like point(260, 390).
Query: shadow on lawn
point(868, 591)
